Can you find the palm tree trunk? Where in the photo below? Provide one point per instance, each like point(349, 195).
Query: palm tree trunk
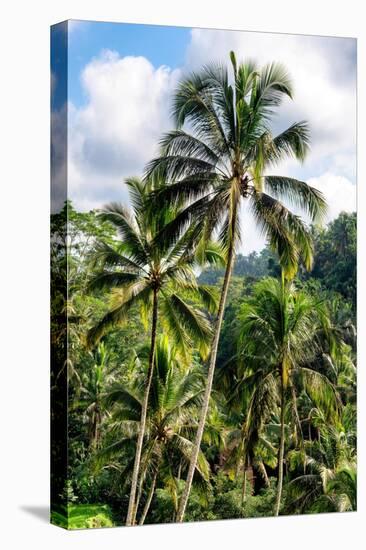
point(179, 471)
point(149, 499)
point(210, 374)
point(281, 451)
point(244, 486)
point(263, 472)
point(237, 470)
point(140, 439)
point(238, 463)
point(141, 480)
point(138, 498)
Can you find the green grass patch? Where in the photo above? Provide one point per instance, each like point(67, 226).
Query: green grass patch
point(83, 516)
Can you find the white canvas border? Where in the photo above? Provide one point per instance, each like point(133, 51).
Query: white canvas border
point(24, 273)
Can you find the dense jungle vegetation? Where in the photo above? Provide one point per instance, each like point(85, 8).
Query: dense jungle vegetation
point(202, 383)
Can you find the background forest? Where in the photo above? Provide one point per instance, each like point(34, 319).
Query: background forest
point(201, 383)
point(320, 448)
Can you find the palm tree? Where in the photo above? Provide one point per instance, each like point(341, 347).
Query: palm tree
point(279, 328)
point(155, 275)
point(251, 441)
point(90, 401)
point(341, 491)
point(224, 163)
point(329, 480)
point(174, 397)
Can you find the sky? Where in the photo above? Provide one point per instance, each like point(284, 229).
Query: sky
point(121, 78)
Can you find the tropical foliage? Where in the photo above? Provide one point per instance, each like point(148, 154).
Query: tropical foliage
point(202, 383)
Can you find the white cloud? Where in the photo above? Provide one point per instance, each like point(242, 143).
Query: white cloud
point(117, 131)
point(340, 193)
point(250, 235)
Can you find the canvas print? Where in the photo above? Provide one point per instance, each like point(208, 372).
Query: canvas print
point(203, 274)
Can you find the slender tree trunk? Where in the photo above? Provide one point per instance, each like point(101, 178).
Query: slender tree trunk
point(237, 467)
point(140, 485)
point(142, 474)
point(138, 498)
point(179, 475)
point(263, 471)
point(237, 470)
point(94, 430)
point(149, 499)
point(244, 486)
point(179, 470)
point(210, 374)
point(281, 451)
point(140, 439)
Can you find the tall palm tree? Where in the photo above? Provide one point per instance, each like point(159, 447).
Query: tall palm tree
point(279, 328)
point(223, 163)
point(156, 275)
point(175, 395)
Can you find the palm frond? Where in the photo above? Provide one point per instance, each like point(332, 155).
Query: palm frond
point(193, 321)
point(270, 88)
point(299, 194)
point(122, 301)
point(321, 390)
point(107, 280)
point(105, 255)
point(193, 103)
point(294, 141)
point(117, 394)
point(286, 232)
point(186, 448)
point(119, 216)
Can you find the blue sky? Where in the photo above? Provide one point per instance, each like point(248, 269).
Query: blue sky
point(121, 78)
point(161, 45)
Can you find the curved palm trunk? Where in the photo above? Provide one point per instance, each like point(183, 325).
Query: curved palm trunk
point(263, 471)
point(210, 374)
point(140, 439)
point(281, 452)
point(149, 499)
